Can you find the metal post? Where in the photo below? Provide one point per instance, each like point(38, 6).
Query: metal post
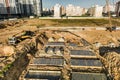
point(109, 14)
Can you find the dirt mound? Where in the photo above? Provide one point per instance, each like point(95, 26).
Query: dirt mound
point(6, 50)
point(16, 23)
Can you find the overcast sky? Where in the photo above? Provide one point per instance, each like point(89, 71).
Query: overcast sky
point(82, 3)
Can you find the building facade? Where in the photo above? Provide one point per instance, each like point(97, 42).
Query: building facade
point(84, 11)
point(3, 9)
point(37, 7)
point(72, 10)
point(96, 11)
point(63, 10)
point(21, 7)
point(8, 7)
point(57, 10)
point(91, 11)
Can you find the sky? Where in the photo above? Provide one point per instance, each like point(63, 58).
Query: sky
point(82, 3)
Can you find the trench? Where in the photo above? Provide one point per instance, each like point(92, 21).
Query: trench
point(70, 65)
point(21, 61)
point(17, 67)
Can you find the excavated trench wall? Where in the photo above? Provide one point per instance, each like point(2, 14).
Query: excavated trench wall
point(20, 63)
point(38, 42)
point(18, 66)
point(22, 60)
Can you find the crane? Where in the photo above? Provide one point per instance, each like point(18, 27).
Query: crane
point(111, 27)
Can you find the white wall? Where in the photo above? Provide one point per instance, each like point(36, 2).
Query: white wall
point(72, 10)
point(57, 10)
point(98, 11)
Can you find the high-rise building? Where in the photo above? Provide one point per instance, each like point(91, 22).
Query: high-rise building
point(26, 7)
point(57, 10)
point(96, 11)
point(84, 11)
point(63, 10)
point(69, 10)
point(37, 7)
point(21, 7)
point(72, 10)
point(3, 9)
point(13, 6)
point(8, 7)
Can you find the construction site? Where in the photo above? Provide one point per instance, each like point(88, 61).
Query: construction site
point(33, 51)
point(60, 49)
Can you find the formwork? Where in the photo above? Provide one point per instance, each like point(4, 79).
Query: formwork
point(86, 62)
point(43, 75)
point(85, 66)
point(48, 61)
point(82, 53)
point(76, 64)
point(88, 76)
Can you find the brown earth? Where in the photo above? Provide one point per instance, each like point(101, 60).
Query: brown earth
point(92, 36)
point(103, 37)
point(6, 50)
